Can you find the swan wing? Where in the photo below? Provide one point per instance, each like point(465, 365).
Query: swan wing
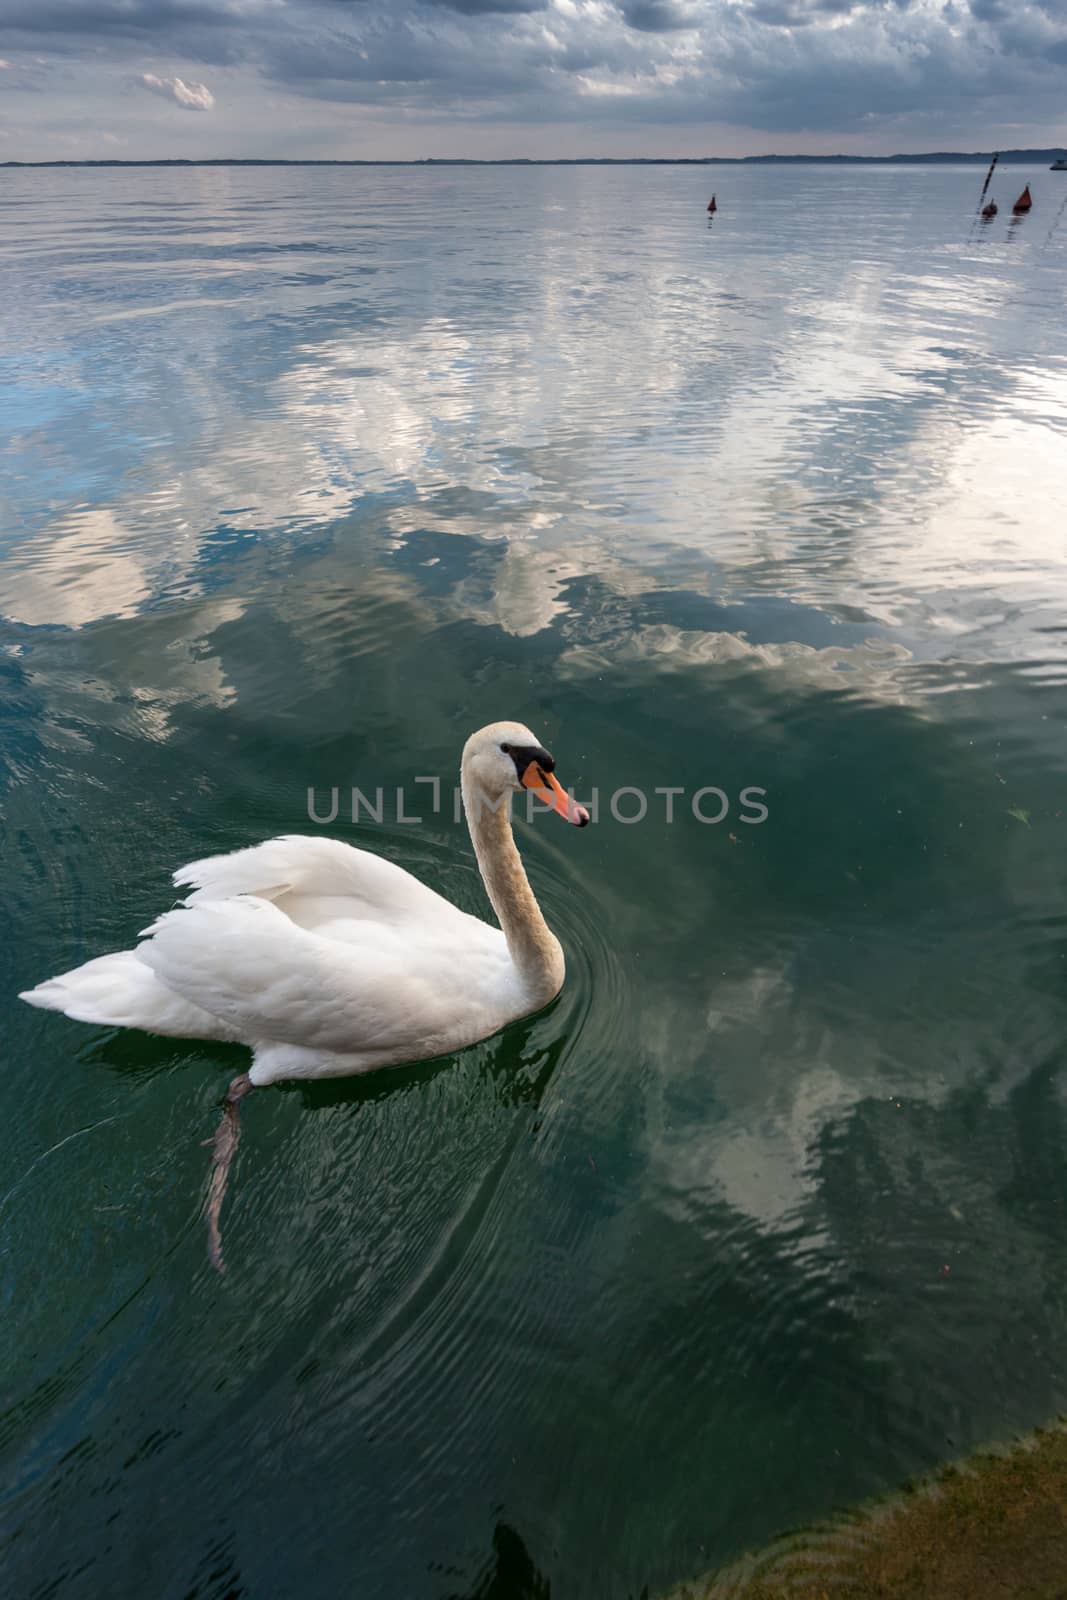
point(389, 995)
point(322, 880)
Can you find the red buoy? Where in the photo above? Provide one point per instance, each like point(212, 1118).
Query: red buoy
point(1024, 201)
point(711, 204)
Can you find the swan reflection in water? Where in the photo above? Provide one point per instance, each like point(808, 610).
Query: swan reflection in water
point(512, 1575)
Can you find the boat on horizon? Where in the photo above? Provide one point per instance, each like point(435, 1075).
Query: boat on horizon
point(1060, 165)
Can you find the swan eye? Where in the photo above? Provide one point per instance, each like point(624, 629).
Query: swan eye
point(522, 755)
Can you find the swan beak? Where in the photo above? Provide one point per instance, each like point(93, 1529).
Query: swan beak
point(546, 788)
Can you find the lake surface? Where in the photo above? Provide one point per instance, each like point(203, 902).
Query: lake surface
point(307, 473)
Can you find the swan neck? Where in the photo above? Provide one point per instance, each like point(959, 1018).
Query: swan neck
point(534, 948)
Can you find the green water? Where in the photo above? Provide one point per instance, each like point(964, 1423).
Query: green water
point(307, 474)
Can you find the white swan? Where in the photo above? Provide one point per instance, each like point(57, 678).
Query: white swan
point(326, 960)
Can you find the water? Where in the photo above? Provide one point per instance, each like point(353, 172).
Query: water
point(307, 473)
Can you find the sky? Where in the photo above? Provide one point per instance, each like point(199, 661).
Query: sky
point(405, 79)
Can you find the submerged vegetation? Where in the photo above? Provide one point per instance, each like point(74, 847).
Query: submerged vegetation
point(993, 1527)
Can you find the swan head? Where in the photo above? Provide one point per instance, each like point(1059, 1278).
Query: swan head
point(505, 757)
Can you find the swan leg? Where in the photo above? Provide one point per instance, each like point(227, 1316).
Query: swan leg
point(224, 1147)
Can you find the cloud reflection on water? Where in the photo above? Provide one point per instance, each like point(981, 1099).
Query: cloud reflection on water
point(843, 431)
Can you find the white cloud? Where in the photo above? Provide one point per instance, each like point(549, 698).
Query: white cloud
point(190, 96)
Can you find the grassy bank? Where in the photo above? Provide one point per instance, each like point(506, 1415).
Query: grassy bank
point(993, 1527)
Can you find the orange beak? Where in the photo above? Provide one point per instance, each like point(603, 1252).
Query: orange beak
point(546, 788)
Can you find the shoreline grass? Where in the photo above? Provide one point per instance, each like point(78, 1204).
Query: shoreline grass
point(990, 1527)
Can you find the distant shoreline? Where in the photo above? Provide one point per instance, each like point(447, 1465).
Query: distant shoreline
point(930, 158)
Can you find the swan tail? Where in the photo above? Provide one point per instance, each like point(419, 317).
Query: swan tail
point(122, 991)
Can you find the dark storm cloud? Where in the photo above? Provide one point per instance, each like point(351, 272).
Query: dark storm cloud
point(779, 65)
point(477, 8)
point(193, 29)
point(88, 19)
point(803, 13)
point(656, 16)
point(466, 8)
point(796, 13)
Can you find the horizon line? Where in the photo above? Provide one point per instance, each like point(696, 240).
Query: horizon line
point(1021, 153)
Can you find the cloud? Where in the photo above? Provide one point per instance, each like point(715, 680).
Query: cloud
point(879, 73)
point(479, 8)
point(158, 22)
point(657, 16)
point(190, 96)
point(784, 66)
